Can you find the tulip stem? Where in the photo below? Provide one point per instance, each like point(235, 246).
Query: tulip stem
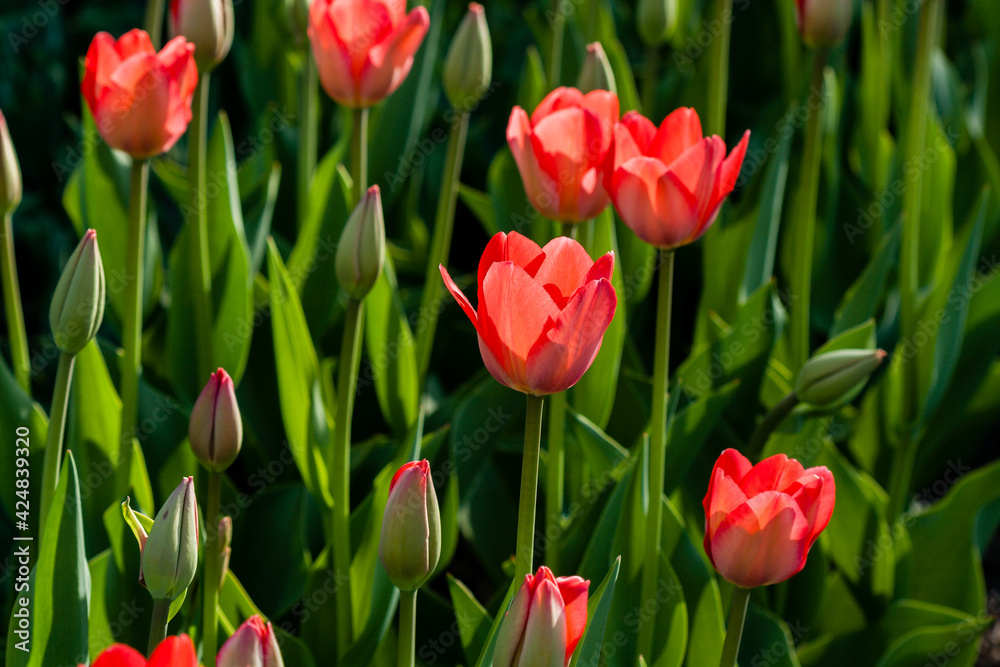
point(771, 421)
point(407, 627)
point(555, 477)
point(340, 468)
point(649, 81)
point(202, 272)
point(158, 628)
point(132, 320)
point(308, 132)
point(718, 70)
point(54, 438)
point(657, 447)
point(444, 225)
point(734, 631)
point(804, 224)
point(529, 488)
point(154, 21)
point(359, 153)
point(558, 20)
point(211, 582)
point(12, 306)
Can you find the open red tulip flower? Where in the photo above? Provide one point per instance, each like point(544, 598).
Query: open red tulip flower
point(561, 149)
point(668, 183)
point(542, 312)
point(172, 652)
point(364, 48)
point(760, 521)
point(140, 99)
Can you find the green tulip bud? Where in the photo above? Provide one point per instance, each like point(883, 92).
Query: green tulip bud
point(837, 376)
point(468, 69)
point(656, 20)
point(596, 73)
point(410, 544)
point(10, 172)
point(823, 23)
point(208, 24)
point(216, 428)
point(170, 555)
point(78, 303)
point(361, 251)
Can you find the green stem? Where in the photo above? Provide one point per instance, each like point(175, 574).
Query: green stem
point(132, 320)
point(444, 224)
point(649, 81)
point(558, 33)
point(201, 280)
point(308, 132)
point(359, 153)
point(805, 221)
point(718, 70)
point(54, 440)
point(657, 446)
point(529, 488)
point(770, 422)
point(12, 306)
point(340, 467)
point(734, 631)
point(158, 626)
point(407, 627)
point(211, 581)
point(154, 21)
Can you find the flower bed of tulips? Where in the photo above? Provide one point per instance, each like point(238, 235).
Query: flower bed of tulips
point(548, 334)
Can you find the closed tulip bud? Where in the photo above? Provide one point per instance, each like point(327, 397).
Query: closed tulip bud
point(361, 251)
point(77, 308)
point(823, 23)
point(468, 69)
point(656, 20)
point(170, 555)
point(297, 12)
point(410, 544)
point(216, 429)
point(10, 171)
point(208, 24)
point(833, 377)
point(252, 645)
point(544, 623)
point(596, 72)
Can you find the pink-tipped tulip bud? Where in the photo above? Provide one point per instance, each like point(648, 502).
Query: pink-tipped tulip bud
point(361, 252)
point(170, 555)
point(544, 623)
point(208, 24)
point(823, 23)
point(216, 429)
point(468, 69)
point(836, 377)
point(252, 645)
point(410, 544)
point(77, 308)
point(10, 171)
point(596, 73)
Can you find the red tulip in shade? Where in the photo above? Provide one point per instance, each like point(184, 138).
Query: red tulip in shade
point(668, 183)
point(544, 623)
point(760, 521)
point(252, 645)
point(140, 99)
point(172, 652)
point(561, 149)
point(542, 312)
point(364, 48)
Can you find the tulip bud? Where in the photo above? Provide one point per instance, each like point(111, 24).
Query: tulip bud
point(216, 430)
point(361, 251)
point(823, 23)
point(410, 544)
point(253, 643)
point(468, 69)
point(170, 556)
point(656, 20)
point(10, 172)
point(78, 303)
point(208, 24)
point(596, 72)
point(836, 376)
point(225, 539)
point(297, 13)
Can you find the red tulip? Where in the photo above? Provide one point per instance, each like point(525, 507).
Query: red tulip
point(669, 183)
point(542, 311)
point(760, 521)
point(364, 48)
point(140, 99)
point(172, 652)
point(544, 623)
point(252, 645)
point(561, 149)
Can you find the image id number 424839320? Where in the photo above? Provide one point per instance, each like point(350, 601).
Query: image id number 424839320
point(22, 553)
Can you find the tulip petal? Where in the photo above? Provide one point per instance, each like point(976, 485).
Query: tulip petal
point(360, 25)
point(731, 168)
point(463, 301)
point(560, 98)
point(604, 105)
point(726, 497)
point(512, 247)
point(574, 592)
point(102, 59)
point(333, 60)
point(774, 473)
point(542, 190)
point(134, 109)
point(512, 629)
point(120, 655)
point(174, 652)
point(697, 168)
point(654, 203)
point(816, 495)
point(133, 42)
point(604, 267)
point(568, 143)
point(565, 267)
point(640, 129)
point(544, 642)
point(678, 132)
point(733, 465)
point(389, 62)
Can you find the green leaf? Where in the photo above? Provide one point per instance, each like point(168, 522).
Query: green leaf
point(767, 640)
point(764, 242)
point(18, 411)
point(588, 651)
point(472, 619)
point(689, 430)
point(481, 206)
point(628, 94)
point(513, 211)
point(486, 657)
point(533, 84)
point(861, 301)
point(601, 452)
